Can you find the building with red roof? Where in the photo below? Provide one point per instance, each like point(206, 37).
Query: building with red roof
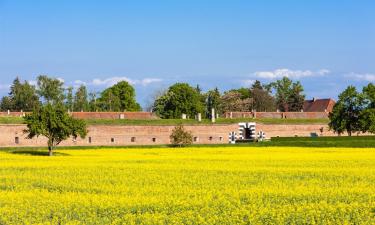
point(319, 105)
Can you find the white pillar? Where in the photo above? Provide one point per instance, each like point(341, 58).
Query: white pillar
point(213, 119)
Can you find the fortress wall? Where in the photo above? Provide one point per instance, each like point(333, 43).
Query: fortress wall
point(290, 130)
point(277, 115)
point(114, 115)
point(149, 135)
point(121, 135)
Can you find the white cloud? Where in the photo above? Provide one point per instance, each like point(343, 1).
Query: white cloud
point(114, 80)
point(279, 73)
point(248, 82)
point(364, 77)
point(33, 82)
point(4, 86)
point(148, 81)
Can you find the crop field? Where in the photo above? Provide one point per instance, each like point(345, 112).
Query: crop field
point(206, 185)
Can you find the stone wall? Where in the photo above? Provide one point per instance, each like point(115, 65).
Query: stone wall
point(149, 135)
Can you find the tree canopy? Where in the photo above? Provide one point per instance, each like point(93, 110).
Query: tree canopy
point(119, 97)
point(288, 94)
point(22, 96)
point(262, 98)
point(50, 89)
point(179, 99)
point(54, 123)
point(346, 112)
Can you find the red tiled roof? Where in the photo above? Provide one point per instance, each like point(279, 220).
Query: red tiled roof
point(318, 105)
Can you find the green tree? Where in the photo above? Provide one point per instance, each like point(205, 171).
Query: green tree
point(119, 97)
point(282, 88)
point(213, 100)
point(180, 99)
point(93, 103)
point(22, 96)
point(245, 93)
point(6, 103)
point(367, 115)
point(288, 95)
point(50, 89)
point(181, 137)
point(296, 97)
point(346, 112)
point(231, 101)
point(80, 99)
point(54, 123)
point(262, 98)
point(69, 99)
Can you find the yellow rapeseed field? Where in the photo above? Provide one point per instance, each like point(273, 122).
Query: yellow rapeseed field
point(228, 185)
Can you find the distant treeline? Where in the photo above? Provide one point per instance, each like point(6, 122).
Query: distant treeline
point(178, 99)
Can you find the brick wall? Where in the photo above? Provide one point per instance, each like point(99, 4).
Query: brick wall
point(277, 115)
point(97, 115)
point(149, 135)
point(114, 115)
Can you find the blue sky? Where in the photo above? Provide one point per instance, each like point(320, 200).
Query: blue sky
point(327, 45)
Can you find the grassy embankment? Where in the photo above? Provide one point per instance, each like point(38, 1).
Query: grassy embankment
point(343, 142)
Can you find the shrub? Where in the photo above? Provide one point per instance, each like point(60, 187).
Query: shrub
point(181, 137)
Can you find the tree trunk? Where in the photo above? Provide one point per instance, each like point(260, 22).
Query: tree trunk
point(50, 151)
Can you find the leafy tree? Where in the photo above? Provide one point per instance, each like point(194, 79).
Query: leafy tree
point(213, 100)
point(231, 101)
point(51, 89)
point(181, 137)
point(245, 93)
point(296, 97)
point(282, 88)
point(369, 95)
point(289, 95)
point(6, 103)
point(367, 120)
point(346, 112)
point(262, 98)
point(69, 99)
point(367, 116)
point(119, 97)
point(180, 99)
point(80, 99)
point(93, 103)
point(54, 123)
point(22, 96)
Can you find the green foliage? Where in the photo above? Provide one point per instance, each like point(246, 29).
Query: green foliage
point(69, 99)
point(54, 123)
point(245, 93)
point(296, 97)
point(51, 89)
point(80, 99)
point(262, 98)
point(93, 102)
point(289, 95)
point(180, 99)
point(346, 112)
point(22, 96)
point(120, 97)
point(6, 103)
point(213, 100)
point(181, 137)
point(233, 102)
point(367, 116)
